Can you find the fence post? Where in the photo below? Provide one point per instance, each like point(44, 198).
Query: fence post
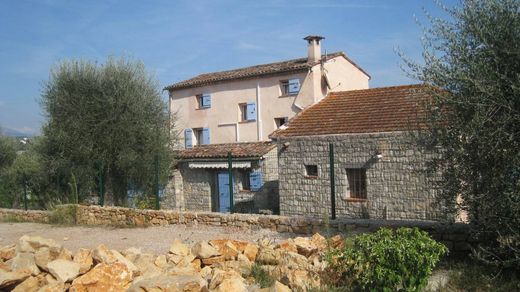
point(101, 185)
point(25, 193)
point(332, 182)
point(230, 174)
point(157, 204)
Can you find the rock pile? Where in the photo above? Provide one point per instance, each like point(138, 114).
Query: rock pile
point(39, 264)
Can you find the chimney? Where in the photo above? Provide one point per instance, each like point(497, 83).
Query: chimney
point(314, 49)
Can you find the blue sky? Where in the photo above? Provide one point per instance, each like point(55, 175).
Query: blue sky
point(180, 39)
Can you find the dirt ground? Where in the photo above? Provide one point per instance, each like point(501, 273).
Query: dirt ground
point(155, 240)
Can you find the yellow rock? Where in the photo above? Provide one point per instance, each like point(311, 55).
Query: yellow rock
point(104, 277)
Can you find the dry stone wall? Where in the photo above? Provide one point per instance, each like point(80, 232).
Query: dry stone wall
point(454, 235)
point(14, 215)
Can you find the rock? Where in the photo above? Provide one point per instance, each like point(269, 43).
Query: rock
point(84, 258)
point(63, 270)
point(288, 245)
point(129, 265)
point(161, 262)
point(31, 284)
point(24, 261)
point(206, 273)
point(219, 276)
point(304, 246)
point(238, 244)
point(178, 248)
point(302, 280)
point(7, 252)
point(65, 254)
point(242, 267)
point(43, 256)
point(8, 279)
point(196, 264)
point(295, 261)
point(336, 241)
point(28, 243)
point(229, 251)
point(169, 283)
point(277, 287)
point(319, 241)
point(213, 260)
point(104, 277)
point(233, 284)
point(56, 286)
point(251, 251)
point(269, 256)
point(203, 250)
point(145, 263)
point(242, 257)
point(103, 255)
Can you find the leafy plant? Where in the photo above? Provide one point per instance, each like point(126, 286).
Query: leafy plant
point(261, 277)
point(387, 260)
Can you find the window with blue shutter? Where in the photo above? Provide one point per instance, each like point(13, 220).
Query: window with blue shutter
point(251, 111)
point(206, 100)
point(188, 138)
point(255, 180)
point(205, 136)
point(294, 86)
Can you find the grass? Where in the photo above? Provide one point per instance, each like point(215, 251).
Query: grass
point(63, 215)
point(11, 219)
point(261, 277)
point(469, 275)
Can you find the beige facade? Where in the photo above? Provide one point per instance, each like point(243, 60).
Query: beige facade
point(223, 120)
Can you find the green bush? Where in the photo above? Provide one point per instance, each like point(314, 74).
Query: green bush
point(387, 260)
point(63, 215)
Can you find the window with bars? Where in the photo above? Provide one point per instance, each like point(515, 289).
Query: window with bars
point(357, 183)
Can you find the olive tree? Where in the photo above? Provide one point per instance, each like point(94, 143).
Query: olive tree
point(472, 61)
point(106, 124)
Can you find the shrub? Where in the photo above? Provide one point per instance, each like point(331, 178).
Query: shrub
point(387, 260)
point(261, 277)
point(63, 215)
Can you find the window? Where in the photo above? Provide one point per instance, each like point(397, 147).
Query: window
point(357, 183)
point(204, 100)
point(311, 170)
point(245, 178)
point(280, 122)
point(247, 111)
point(290, 87)
point(201, 136)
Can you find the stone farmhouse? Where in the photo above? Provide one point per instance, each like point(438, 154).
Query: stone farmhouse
point(378, 171)
point(235, 111)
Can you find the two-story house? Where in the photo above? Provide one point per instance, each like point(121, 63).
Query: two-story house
point(235, 111)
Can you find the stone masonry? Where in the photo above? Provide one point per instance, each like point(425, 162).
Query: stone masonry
point(397, 185)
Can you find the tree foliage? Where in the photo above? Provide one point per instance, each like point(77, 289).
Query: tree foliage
point(474, 59)
point(106, 119)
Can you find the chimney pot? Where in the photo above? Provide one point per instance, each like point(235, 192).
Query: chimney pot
point(313, 48)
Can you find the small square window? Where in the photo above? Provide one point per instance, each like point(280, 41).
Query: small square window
point(311, 170)
point(280, 122)
point(203, 101)
point(357, 183)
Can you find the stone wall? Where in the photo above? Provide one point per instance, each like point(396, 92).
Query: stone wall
point(396, 184)
point(24, 216)
point(196, 189)
point(454, 235)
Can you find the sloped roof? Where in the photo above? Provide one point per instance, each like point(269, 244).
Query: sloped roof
point(384, 109)
point(295, 65)
point(240, 150)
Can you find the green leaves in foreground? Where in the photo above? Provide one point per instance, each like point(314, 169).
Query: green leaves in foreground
point(387, 260)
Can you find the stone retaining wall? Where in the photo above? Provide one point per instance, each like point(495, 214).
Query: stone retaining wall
point(454, 235)
point(15, 215)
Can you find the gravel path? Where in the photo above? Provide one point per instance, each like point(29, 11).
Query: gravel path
point(155, 240)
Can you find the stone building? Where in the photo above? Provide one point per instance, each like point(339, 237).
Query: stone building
point(200, 181)
point(378, 170)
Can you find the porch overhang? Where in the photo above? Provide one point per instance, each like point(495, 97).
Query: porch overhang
point(219, 164)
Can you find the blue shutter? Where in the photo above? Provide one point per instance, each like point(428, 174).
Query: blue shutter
point(205, 136)
point(206, 100)
point(294, 86)
point(187, 138)
point(255, 180)
point(251, 111)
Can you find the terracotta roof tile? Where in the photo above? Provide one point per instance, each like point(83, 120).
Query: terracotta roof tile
point(384, 109)
point(242, 150)
point(294, 65)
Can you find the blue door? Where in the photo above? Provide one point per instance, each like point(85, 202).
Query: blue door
point(223, 192)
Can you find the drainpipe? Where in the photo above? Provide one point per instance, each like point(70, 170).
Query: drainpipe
point(258, 113)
